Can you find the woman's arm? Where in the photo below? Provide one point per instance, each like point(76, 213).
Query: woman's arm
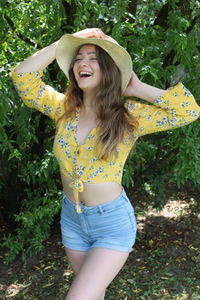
point(32, 90)
point(141, 90)
point(172, 108)
point(42, 58)
point(39, 60)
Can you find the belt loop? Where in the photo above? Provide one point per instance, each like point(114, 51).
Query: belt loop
point(101, 210)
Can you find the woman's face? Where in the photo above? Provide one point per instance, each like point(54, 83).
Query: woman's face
point(86, 68)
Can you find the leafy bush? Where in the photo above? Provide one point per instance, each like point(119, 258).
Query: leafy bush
point(163, 40)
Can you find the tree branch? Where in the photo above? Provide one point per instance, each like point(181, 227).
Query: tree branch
point(161, 20)
point(185, 7)
point(193, 23)
point(132, 7)
point(70, 11)
point(162, 16)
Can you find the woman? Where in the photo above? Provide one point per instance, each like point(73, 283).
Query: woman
point(95, 133)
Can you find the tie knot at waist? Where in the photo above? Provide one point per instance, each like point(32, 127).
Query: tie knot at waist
point(77, 185)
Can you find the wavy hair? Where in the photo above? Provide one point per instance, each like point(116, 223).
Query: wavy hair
point(114, 118)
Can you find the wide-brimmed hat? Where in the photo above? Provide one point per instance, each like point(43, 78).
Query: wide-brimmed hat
point(69, 43)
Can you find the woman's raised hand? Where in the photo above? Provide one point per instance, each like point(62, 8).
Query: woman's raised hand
point(90, 33)
point(139, 89)
point(134, 82)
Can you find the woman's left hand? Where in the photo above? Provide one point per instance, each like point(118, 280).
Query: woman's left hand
point(137, 88)
point(134, 82)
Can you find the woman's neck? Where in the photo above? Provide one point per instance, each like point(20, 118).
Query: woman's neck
point(89, 103)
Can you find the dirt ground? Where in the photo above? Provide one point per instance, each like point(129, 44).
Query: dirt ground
point(165, 263)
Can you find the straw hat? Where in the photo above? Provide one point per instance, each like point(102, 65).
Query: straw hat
point(69, 43)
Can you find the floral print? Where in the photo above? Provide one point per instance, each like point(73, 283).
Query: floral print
point(168, 112)
point(96, 172)
point(175, 108)
point(36, 94)
point(185, 104)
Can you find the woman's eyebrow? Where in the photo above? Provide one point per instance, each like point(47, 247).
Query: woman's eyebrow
point(81, 53)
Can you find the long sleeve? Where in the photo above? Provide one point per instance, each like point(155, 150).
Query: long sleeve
point(36, 94)
point(175, 108)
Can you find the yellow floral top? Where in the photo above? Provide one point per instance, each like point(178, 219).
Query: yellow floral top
point(175, 108)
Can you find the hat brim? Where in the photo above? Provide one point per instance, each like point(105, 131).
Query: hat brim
point(68, 45)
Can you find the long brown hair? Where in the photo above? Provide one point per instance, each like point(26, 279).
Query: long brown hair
point(114, 118)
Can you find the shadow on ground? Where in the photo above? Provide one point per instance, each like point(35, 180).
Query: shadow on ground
point(165, 263)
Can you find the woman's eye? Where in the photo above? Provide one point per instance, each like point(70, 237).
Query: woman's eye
point(79, 58)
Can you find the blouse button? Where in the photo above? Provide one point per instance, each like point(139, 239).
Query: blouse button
point(78, 151)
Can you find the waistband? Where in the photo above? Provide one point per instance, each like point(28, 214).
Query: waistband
point(113, 204)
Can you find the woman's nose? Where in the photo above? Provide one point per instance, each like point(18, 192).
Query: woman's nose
point(84, 62)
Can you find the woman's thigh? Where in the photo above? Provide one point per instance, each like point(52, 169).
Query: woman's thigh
point(99, 268)
point(75, 258)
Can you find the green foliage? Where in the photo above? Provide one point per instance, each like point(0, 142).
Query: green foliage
point(41, 202)
point(163, 39)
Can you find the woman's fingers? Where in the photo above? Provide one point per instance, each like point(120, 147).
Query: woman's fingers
point(90, 33)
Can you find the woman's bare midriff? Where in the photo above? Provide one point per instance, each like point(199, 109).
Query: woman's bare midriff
point(93, 193)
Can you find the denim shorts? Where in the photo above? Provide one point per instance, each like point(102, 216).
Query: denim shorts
point(111, 225)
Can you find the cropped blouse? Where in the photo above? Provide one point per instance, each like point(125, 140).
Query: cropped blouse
point(175, 108)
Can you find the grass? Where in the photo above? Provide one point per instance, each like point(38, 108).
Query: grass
point(165, 263)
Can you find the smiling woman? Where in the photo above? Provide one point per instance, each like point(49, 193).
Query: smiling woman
point(95, 133)
point(101, 100)
point(87, 72)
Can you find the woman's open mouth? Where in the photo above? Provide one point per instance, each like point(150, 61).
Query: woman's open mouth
point(85, 74)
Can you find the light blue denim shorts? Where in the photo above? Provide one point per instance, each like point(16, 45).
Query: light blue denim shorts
point(111, 225)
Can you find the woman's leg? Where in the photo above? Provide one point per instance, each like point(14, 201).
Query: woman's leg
point(76, 259)
point(98, 268)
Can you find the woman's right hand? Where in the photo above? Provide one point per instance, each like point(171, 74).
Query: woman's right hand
point(90, 33)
